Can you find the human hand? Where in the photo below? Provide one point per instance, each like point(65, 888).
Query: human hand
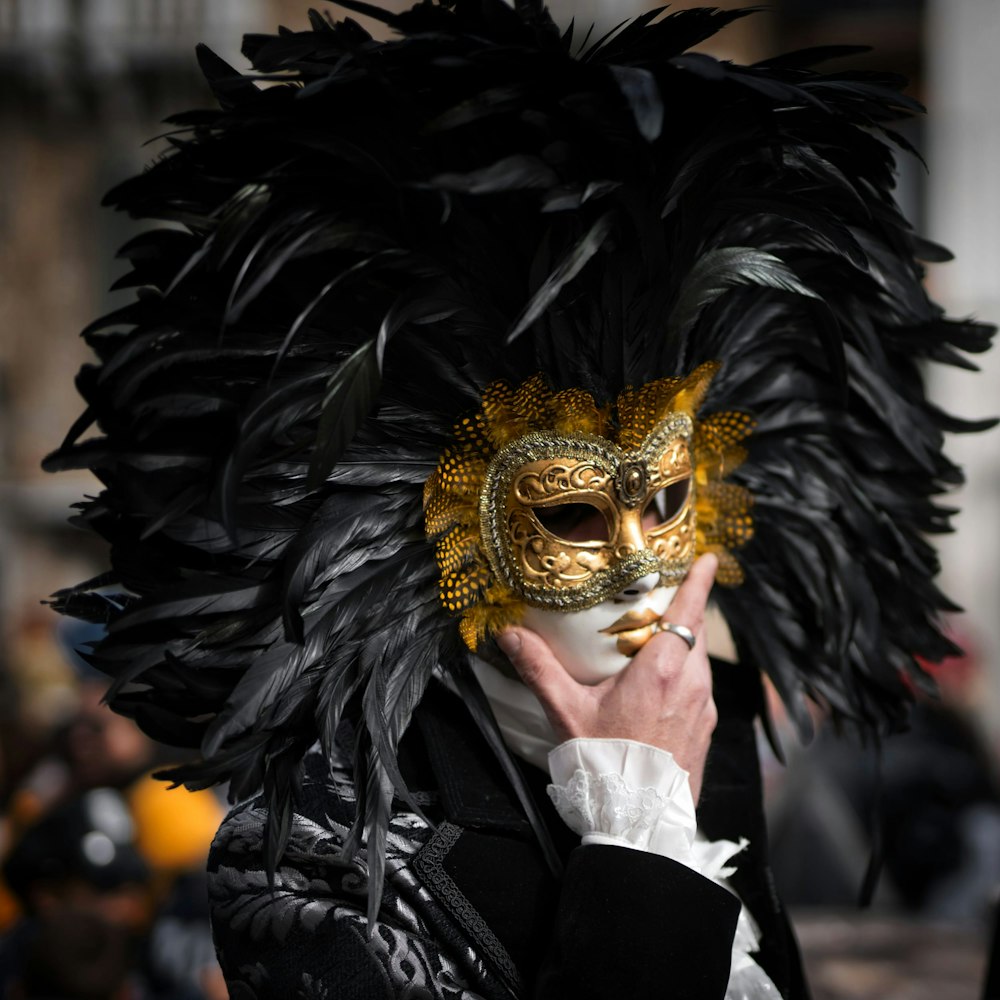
point(663, 697)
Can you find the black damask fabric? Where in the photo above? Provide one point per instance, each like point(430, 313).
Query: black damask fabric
point(308, 935)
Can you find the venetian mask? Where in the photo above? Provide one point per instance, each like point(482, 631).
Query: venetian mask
point(636, 508)
point(547, 502)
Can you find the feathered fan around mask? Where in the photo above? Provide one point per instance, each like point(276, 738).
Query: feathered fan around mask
point(346, 257)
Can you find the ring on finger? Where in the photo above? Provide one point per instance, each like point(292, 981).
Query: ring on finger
point(679, 630)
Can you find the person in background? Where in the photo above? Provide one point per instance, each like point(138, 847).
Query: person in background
point(98, 769)
point(79, 859)
point(75, 955)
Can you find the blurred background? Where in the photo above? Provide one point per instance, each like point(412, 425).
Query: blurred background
point(105, 865)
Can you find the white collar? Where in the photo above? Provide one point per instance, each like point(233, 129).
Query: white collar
point(526, 729)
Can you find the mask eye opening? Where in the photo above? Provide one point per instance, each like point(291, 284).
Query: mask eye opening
point(574, 522)
point(666, 504)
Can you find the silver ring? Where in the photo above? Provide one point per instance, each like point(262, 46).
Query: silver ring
point(679, 630)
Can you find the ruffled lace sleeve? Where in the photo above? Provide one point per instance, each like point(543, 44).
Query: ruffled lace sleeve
point(626, 793)
point(637, 796)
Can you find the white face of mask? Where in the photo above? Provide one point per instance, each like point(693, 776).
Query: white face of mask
point(579, 640)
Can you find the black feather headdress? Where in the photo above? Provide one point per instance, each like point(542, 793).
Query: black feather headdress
point(365, 234)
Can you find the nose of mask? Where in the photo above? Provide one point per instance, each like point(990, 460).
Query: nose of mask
point(638, 588)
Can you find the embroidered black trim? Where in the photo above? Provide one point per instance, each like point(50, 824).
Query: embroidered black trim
point(428, 865)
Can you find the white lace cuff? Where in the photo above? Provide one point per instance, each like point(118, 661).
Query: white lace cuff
point(626, 793)
point(634, 795)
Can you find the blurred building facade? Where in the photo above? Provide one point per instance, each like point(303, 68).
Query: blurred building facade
point(963, 213)
point(83, 84)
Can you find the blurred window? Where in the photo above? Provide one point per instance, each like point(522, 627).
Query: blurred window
point(108, 35)
point(825, 8)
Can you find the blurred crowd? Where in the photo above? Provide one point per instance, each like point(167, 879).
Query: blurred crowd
point(103, 893)
point(913, 823)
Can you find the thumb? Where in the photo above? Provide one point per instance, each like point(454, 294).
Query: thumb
point(540, 671)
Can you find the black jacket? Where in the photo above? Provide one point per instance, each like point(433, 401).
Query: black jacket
point(471, 909)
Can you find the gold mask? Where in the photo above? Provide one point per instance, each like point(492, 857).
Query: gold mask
point(541, 483)
point(533, 466)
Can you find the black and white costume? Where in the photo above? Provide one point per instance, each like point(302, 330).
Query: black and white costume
point(471, 909)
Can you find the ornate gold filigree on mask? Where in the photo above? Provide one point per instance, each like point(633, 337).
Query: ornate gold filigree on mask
point(541, 473)
point(531, 454)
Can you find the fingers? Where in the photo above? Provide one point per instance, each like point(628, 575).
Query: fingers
point(668, 654)
point(566, 702)
point(541, 673)
point(688, 606)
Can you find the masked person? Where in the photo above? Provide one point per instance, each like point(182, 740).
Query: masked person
point(467, 360)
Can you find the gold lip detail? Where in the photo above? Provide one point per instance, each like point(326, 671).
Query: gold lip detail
point(632, 620)
point(633, 630)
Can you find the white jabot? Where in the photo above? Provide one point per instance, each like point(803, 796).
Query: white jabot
point(522, 720)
